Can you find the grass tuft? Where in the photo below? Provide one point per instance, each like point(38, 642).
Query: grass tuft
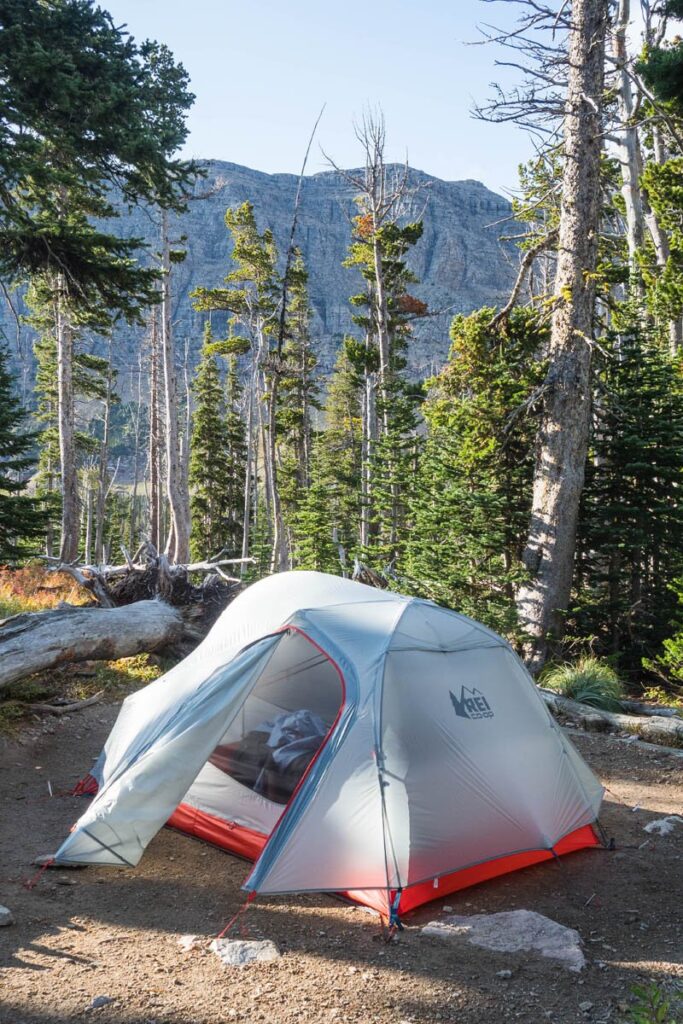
point(589, 681)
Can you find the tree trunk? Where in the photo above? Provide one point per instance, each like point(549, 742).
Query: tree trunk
point(132, 525)
point(178, 544)
point(154, 438)
point(563, 434)
point(667, 730)
point(248, 475)
point(68, 545)
point(628, 147)
point(38, 641)
point(103, 464)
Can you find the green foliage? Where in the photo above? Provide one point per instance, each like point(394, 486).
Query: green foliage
point(22, 517)
point(338, 450)
point(652, 1006)
point(669, 661)
point(217, 459)
point(86, 115)
point(313, 530)
point(589, 681)
point(630, 541)
point(472, 501)
point(298, 393)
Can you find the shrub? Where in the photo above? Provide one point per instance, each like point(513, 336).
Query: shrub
point(589, 681)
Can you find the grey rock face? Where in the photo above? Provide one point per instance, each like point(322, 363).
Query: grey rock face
point(459, 261)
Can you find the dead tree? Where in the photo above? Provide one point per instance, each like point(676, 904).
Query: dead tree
point(565, 420)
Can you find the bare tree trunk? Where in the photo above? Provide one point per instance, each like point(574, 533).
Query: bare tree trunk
point(154, 438)
point(628, 147)
point(178, 544)
point(68, 545)
point(563, 435)
point(133, 522)
point(103, 464)
point(248, 475)
point(279, 560)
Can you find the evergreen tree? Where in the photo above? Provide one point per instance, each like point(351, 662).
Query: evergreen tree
point(339, 449)
point(217, 458)
point(314, 529)
point(390, 426)
point(298, 394)
point(22, 517)
point(631, 526)
point(470, 509)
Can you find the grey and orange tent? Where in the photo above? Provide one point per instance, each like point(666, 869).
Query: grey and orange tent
point(345, 739)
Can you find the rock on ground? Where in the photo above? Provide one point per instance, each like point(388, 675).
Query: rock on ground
point(5, 916)
point(512, 932)
point(663, 826)
point(238, 952)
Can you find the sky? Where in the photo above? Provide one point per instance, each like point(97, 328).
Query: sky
point(262, 69)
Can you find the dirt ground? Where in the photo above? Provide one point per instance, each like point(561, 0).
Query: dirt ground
point(104, 932)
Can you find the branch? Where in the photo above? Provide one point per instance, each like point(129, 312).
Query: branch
point(529, 257)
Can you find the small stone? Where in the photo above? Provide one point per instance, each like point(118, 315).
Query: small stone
point(238, 952)
point(503, 974)
point(188, 942)
point(446, 909)
point(5, 917)
point(99, 1001)
point(585, 1006)
point(67, 881)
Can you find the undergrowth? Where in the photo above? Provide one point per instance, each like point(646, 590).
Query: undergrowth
point(587, 680)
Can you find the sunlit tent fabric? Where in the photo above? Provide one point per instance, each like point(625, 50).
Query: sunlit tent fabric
point(346, 739)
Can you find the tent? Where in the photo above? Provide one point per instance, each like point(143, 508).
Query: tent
point(345, 739)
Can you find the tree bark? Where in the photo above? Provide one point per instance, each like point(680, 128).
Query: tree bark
point(178, 545)
point(563, 434)
point(667, 731)
point(102, 471)
point(37, 641)
point(68, 545)
point(628, 147)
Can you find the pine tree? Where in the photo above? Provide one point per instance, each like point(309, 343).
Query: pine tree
point(298, 394)
point(216, 458)
point(631, 525)
point(339, 449)
point(313, 529)
point(470, 509)
point(22, 517)
point(390, 419)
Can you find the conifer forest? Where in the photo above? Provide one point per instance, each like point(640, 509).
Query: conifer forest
point(532, 481)
point(439, 425)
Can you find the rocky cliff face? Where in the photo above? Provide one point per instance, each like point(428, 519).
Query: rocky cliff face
point(460, 262)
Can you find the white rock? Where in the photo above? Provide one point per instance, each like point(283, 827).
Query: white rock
point(5, 916)
point(99, 1001)
point(503, 974)
point(663, 826)
point(514, 931)
point(586, 1006)
point(188, 942)
point(238, 952)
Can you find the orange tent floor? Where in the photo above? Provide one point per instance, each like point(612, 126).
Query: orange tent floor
point(247, 843)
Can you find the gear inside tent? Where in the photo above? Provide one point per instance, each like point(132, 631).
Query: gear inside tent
point(345, 739)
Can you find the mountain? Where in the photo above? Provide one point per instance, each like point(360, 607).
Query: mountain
point(460, 262)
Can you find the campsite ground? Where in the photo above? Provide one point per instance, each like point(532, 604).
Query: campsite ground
point(102, 932)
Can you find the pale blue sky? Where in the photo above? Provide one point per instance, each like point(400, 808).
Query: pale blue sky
point(261, 70)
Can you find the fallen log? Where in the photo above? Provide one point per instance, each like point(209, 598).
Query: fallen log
point(637, 707)
point(36, 641)
point(661, 730)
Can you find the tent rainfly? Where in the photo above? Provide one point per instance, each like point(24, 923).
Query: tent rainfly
point(346, 739)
